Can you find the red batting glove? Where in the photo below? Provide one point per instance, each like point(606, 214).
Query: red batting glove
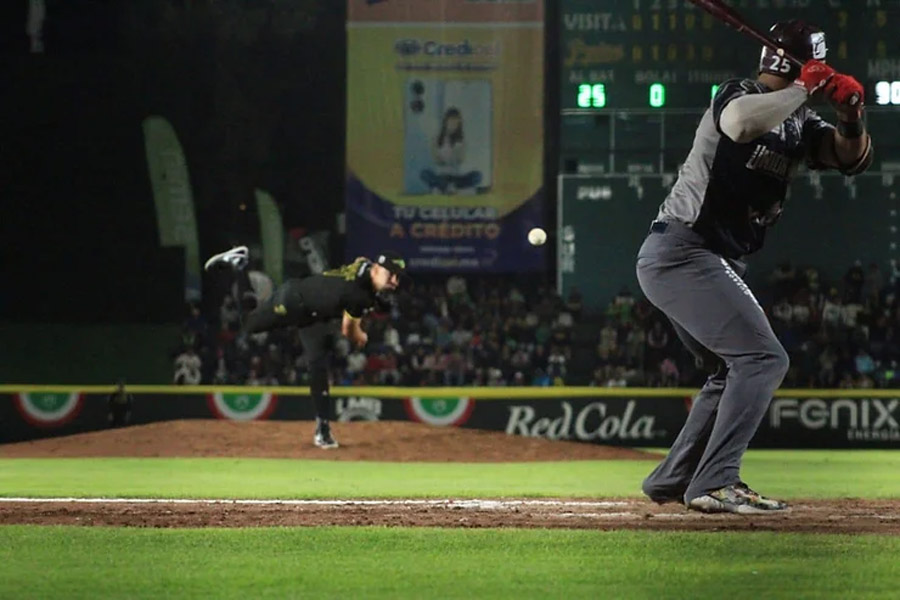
point(814, 76)
point(841, 90)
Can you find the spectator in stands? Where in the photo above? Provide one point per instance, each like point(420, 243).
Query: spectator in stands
point(846, 382)
point(565, 319)
point(457, 289)
point(388, 374)
point(850, 311)
point(608, 338)
point(831, 312)
point(641, 312)
point(187, 368)
point(556, 365)
point(356, 362)
point(598, 379)
point(888, 376)
point(253, 378)
point(517, 327)
point(872, 286)
point(804, 366)
point(657, 344)
point(515, 296)
point(413, 336)
point(229, 316)
point(784, 280)
point(462, 335)
point(615, 376)
point(894, 277)
point(541, 379)
point(782, 313)
point(442, 337)
point(575, 302)
point(635, 342)
point(865, 365)
point(289, 376)
point(221, 375)
point(392, 339)
point(854, 280)
point(619, 310)
point(802, 312)
point(668, 373)
point(457, 367)
point(196, 322)
point(495, 377)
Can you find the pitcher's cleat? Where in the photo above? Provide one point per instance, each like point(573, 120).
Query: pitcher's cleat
point(237, 258)
point(738, 499)
point(323, 437)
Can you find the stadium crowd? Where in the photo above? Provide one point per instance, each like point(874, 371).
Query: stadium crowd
point(496, 332)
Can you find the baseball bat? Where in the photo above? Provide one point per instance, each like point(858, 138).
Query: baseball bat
point(732, 18)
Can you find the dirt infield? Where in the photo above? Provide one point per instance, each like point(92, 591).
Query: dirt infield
point(393, 441)
point(882, 517)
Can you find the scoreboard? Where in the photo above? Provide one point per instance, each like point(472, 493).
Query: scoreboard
point(670, 54)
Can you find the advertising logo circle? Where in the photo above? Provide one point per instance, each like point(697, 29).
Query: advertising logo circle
point(242, 407)
point(440, 411)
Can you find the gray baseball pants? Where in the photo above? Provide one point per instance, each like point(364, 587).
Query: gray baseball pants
point(717, 317)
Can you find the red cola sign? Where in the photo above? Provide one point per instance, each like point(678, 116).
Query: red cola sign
point(595, 421)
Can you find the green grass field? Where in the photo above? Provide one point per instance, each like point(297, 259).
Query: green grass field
point(347, 562)
point(792, 474)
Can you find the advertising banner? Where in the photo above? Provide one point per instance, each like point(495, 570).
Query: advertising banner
point(445, 132)
point(271, 232)
point(616, 419)
point(173, 198)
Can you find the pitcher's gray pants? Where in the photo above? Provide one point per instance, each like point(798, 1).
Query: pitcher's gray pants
point(716, 315)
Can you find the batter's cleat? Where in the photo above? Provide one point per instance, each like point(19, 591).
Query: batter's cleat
point(323, 437)
point(663, 495)
point(738, 499)
point(237, 258)
point(759, 499)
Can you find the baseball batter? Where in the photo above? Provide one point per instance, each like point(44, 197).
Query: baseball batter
point(730, 190)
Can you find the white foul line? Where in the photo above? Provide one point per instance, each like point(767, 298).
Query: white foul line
point(452, 503)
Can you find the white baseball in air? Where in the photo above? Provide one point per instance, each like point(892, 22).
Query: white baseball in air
point(537, 236)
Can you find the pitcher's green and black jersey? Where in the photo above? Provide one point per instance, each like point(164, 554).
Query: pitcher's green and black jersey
point(345, 289)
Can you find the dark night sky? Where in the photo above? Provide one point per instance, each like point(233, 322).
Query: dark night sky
point(255, 91)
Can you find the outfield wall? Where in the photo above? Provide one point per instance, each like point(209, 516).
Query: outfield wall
point(616, 416)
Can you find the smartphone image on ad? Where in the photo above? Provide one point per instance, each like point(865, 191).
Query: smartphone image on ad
point(447, 136)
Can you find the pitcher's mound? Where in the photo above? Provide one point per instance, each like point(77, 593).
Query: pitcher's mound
point(395, 441)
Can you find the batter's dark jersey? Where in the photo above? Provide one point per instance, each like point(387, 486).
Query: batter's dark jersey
point(730, 193)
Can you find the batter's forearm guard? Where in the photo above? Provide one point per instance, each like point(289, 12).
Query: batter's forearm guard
point(863, 163)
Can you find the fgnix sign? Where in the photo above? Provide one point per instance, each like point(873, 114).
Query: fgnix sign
point(874, 419)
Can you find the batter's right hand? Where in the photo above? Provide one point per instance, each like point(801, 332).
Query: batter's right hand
point(814, 76)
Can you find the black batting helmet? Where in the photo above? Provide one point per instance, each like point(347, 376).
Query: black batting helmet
point(803, 40)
